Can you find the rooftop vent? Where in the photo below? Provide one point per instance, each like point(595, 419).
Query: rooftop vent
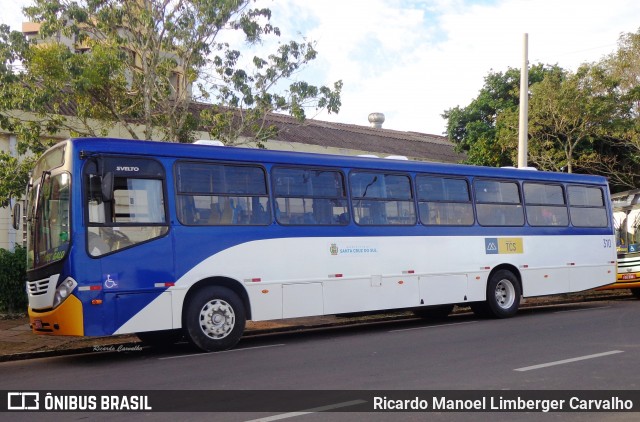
point(376, 120)
point(214, 142)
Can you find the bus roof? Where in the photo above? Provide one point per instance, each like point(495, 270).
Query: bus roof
point(240, 154)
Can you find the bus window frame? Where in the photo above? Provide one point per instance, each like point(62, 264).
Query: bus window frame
point(345, 190)
point(412, 198)
point(564, 205)
point(178, 193)
point(470, 200)
point(84, 175)
point(517, 182)
point(606, 207)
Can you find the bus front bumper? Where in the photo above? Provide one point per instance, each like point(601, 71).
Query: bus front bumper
point(65, 320)
point(624, 281)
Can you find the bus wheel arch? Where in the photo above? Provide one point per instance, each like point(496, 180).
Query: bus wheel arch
point(503, 294)
point(214, 314)
point(227, 282)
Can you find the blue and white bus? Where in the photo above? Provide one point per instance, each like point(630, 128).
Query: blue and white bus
point(167, 240)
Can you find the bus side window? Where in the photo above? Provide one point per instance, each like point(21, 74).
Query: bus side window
point(545, 204)
point(224, 194)
point(498, 203)
point(586, 207)
point(382, 198)
point(444, 201)
point(309, 196)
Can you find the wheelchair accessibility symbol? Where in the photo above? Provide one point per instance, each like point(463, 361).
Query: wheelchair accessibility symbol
point(110, 282)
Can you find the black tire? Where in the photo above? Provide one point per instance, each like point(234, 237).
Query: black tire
point(164, 338)
point(636, 292)
point(214, 319)
point(503, 296)
point(481, 309)
point(433, 312)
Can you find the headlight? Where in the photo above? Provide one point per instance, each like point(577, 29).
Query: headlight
point(63, 291)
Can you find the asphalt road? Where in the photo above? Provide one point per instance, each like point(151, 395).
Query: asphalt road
point(585, 346)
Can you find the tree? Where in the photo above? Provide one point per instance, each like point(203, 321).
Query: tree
point(587, 121)
point(562, 122)
point(574, 123)
point(475, 128)
point(160, 69)
point(624, 67)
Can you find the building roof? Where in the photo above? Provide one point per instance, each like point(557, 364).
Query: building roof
point(365, 138)
point(340, 136)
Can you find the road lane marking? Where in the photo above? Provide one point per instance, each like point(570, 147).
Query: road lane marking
point(308, 411)
point(562, 362)
point(582, 310)
point(432, 326)
point(223, 351)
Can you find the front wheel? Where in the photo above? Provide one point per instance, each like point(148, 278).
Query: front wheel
point(636, 292)
point(503, 296)
point(214, 319)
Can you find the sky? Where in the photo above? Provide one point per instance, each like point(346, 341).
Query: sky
point(414, 59)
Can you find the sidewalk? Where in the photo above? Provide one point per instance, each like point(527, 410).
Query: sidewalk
point(18, 342)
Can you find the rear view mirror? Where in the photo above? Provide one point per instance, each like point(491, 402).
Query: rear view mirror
point(95, 188)
point(16, 222)
point(107, 187)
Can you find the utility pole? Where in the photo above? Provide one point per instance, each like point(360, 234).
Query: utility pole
point(523, 127)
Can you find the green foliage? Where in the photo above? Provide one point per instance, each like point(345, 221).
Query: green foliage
point(14, 175)
point(585, 121)
point(13, 297)
point(143, 65)
point(475, 128)
point(623, 66)
point(569, 115)
point(145, 56)
point(246, 98)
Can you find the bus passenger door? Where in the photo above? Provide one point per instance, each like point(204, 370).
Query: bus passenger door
point(127, 236)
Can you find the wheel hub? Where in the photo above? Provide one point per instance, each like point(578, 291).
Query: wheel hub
point(217, 319)
point(505, 294)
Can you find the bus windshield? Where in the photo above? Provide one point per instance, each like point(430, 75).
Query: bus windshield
point(48, 232)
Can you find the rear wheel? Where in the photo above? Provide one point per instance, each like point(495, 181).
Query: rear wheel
point(214, 319)
point(503, 296)
point(636, 292)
